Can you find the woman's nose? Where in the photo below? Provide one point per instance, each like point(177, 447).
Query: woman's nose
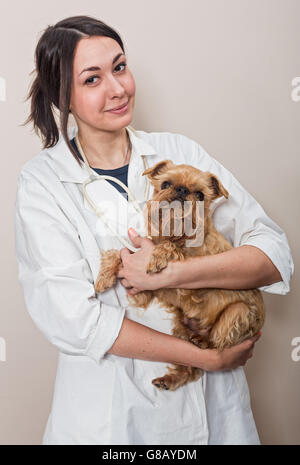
point(114, 87)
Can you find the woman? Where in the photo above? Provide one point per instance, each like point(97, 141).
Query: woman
point(108, 351)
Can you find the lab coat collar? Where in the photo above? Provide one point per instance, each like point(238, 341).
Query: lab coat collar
point(67, 167)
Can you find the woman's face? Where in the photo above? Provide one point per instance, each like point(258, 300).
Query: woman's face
point(105, 86)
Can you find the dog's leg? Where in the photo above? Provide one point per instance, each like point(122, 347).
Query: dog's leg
point(180, 329)
point(190, 329)
point(110, 264)
point(161, 255)
point(236, 323)
point(142, 299)
point(177, 376)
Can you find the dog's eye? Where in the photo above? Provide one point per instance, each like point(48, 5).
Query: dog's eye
point(199, 195)
point(165, 185)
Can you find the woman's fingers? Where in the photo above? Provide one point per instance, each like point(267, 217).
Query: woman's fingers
point(133, 291)
point(251, 343)
point(250, 354)
point(130, 290)
point(123, 254)
point(237, 355)
point(125, 283)
point(256, 336)
point(252, 340)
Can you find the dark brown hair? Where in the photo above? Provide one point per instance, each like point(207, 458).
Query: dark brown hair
point(54, 55)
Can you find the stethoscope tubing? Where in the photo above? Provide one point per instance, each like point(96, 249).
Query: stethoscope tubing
point(94, 176)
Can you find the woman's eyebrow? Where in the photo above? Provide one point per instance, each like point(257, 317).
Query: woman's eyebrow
point(96, 68)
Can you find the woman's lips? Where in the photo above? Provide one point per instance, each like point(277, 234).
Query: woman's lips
point(121, 110)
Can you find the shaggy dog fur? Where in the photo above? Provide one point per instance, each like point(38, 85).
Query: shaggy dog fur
point(210, 318)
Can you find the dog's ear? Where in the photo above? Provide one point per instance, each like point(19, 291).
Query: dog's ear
point(158, 168)
point(217, 187)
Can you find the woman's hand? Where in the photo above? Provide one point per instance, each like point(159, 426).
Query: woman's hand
point(230, 358)
point(133, 274)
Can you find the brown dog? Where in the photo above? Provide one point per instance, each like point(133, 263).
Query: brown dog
point(210, 318)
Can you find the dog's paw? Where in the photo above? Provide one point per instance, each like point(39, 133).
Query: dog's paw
point(104, 284)
point(170, 382)
point(156, 264)
point(198, 341)
point(162, 383)
point(142, 299)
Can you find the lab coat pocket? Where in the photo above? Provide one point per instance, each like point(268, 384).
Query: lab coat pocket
point(174, 409)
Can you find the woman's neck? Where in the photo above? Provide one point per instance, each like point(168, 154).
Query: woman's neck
point(105, 149)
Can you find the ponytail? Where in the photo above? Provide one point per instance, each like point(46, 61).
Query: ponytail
point(41, 115)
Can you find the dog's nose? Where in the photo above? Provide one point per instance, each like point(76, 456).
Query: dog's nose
point(182, 191)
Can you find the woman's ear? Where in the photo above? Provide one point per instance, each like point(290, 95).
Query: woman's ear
point(158, 169)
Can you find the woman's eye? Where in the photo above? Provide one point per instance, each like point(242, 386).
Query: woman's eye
point(165, 185)
point(200, 195)
point(121, 64)
point(88, 81)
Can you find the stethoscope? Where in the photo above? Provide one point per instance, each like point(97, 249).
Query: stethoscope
point(94, 176)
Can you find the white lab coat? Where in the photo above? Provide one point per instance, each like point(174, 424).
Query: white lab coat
point(100, 398)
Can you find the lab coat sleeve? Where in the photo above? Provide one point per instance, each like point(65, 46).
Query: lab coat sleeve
point(242, 220)
point(56, 278)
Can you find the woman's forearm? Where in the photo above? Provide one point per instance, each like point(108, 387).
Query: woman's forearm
point(138, 341)
point(244, 267)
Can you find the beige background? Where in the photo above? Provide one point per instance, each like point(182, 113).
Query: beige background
point(218, 71)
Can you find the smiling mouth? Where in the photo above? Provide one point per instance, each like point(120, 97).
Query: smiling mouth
point(119, 108)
